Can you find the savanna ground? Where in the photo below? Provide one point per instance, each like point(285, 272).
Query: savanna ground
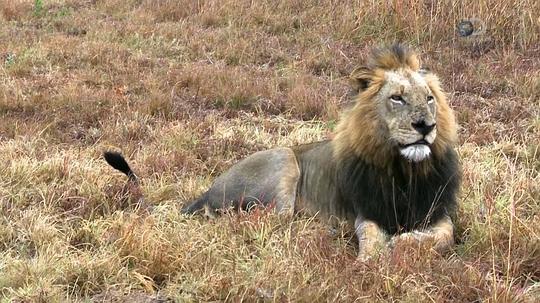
point(186, 88)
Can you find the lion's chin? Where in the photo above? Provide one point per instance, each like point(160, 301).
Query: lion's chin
point(416, 152)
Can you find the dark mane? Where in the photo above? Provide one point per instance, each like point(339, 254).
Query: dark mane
point(400, 199)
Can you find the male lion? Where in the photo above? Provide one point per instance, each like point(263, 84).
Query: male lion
point(391, 170)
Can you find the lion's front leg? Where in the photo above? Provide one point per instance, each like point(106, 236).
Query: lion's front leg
point(371, 238)
point(440, 235)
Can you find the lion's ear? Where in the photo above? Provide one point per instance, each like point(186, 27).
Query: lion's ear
point(361, 79)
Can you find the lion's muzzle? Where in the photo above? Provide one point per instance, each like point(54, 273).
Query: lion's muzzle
point(422, 127)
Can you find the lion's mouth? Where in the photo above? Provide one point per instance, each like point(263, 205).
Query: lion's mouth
point(419, 142)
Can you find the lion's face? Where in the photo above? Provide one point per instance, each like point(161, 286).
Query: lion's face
point(407, 108)
point(400, 109)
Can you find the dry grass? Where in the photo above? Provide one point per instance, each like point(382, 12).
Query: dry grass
point(185, 88)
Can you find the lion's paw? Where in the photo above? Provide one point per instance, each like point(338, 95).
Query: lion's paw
point(410, 238)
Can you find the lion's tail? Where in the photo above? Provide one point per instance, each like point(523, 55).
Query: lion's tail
point(117, 161)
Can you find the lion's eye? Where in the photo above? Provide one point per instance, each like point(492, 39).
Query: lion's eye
point(397, 99)
point(430, 99)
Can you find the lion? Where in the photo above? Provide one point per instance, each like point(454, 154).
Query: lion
point(391, 169)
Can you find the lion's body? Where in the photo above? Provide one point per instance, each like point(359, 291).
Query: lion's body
point(391, 168)
point(308, 179)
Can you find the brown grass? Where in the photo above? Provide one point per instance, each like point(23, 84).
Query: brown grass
point(186, 88)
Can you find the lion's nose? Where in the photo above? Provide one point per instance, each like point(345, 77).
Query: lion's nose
point(422, 127)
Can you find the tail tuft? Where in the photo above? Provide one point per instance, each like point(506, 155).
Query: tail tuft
point(117, 161)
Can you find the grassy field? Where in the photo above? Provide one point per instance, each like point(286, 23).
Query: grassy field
point(186, 88)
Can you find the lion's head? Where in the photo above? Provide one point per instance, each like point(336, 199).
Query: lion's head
point(400, 111)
